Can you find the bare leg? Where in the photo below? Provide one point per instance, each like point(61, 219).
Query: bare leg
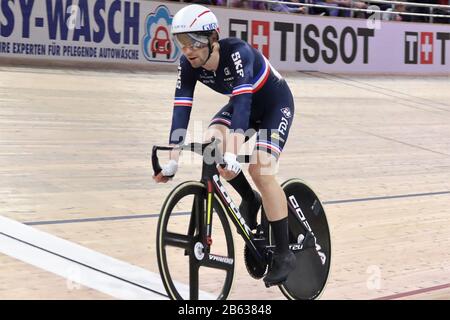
point(263, 173)
point(263, 170)
point(217, 131)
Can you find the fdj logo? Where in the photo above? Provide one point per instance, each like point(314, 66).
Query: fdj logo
point(157, 43)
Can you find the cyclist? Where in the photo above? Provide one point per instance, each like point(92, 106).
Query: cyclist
point(260, 100)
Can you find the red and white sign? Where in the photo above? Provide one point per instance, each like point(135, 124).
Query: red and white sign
point(426, 48)
point(260, 38)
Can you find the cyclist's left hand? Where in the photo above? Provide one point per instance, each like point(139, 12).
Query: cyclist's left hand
point(233, 167)
point(167, 173)
point(160, 178)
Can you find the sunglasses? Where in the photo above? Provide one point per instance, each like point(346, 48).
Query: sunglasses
point(191, 40)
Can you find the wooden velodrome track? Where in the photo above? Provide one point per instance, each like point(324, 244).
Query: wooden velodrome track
point(74, 163)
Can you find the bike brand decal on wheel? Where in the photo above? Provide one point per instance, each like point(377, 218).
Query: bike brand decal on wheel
point(298, 210)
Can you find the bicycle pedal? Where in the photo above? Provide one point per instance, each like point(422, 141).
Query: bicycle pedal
point(259, 229)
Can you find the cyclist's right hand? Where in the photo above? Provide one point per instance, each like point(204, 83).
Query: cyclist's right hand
point(167, 173)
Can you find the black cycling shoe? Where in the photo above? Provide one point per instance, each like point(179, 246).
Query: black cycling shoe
point(249, 210)
point(282, 265)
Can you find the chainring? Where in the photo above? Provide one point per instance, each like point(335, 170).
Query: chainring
point(254, 268)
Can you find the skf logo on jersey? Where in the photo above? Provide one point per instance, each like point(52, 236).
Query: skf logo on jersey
point(259, 34)
point(157, 42)
point(287, 112)
point(238, 63)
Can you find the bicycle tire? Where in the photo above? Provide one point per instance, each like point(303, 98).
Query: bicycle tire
point(193, 188)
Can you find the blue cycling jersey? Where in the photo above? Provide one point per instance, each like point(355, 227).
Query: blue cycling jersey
point(243, 74)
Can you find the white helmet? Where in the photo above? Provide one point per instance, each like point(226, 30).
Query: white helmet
point(194, 18)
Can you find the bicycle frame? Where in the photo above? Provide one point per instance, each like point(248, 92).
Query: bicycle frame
point(211, 179)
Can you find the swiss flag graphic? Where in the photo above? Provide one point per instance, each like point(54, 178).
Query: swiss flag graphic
point(426, 48)
point(260, 38)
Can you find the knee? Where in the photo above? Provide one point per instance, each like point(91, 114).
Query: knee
point(263, 168)
point(261, 180)
point(254, 172)
point(217, 132)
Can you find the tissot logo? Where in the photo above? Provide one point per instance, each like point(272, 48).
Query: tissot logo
point(420, 47)
point(309, 42)
point(413, 47)
point(238, 29)
point(259, 33)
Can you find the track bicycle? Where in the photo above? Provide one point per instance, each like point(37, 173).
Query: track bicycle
point(194, 237)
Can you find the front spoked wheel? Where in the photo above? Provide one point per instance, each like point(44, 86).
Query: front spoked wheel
point(187, 270)
point(309, 234)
